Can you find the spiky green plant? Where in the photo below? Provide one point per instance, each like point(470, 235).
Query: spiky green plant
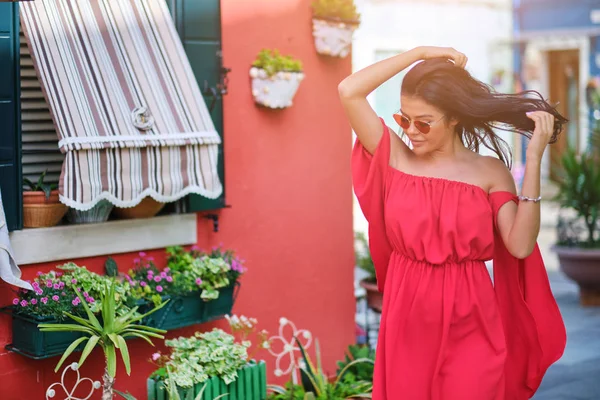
point(40, 185)
point(110, 335)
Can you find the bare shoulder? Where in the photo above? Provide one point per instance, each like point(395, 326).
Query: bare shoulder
point(497, 174)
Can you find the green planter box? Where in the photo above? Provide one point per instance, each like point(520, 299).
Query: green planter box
point(190, 309)
point(29, 341)
point(250, 385)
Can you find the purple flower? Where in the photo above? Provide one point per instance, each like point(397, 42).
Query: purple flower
point(44, 300)
point(157, 279)
point(149, 277)
point(35, 285)
point(159, 289)
point(15, 301)
point(86, 295)
point(142, 254)
point(56, 286)
point(195, 247)
point(39, 291)
point(49, 283)
point(24, 303)
point(74, 281)
point(136, 260)
point(34, 301)
point(150, 258)
point(150, 272)
point(90, 300)
point(142, 283)
point(55, 298)
point(75, 302)
point(167, 270)
point(169, 279)
point(78, 289)
point(61, 284)
point(163, 274)
point(198, 281)
point(59, 273)
point(39, 273)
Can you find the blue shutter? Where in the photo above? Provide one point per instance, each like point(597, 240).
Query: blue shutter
point(199, 26)
point(10, 125)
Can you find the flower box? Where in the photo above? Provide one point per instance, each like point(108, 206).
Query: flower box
point(333, 37)
point(182, 311)
point(251, 384)
point(275, 91)
point(29, 341)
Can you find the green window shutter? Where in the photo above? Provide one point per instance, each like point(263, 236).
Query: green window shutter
point(10, 127)
point(199, 26)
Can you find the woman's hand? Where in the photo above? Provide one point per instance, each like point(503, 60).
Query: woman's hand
point(427, 52)
point(544, 128)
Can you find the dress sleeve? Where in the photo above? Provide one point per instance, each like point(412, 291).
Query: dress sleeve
point(533, 326)
point(369, 174)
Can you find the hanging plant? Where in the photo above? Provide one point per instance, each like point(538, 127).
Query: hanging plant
point(334, 22)
point(275, 79)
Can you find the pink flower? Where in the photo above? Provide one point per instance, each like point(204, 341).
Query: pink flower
point(159, 289)
point(39, 273)
point(24, 303)
point(136, 260)
point(90, 300)
point(63, 294)
point(39, 291)
point(198, 281)
point(56, 286)
point(15, 301)
point(44, 300)
point(142, 254)
point(55, 298)
point(59, 274)
point(155, 356)
point(78, 289)
point(142, 283)
point(85, 294)
point(157, 279)
point(49, 284)
point(169, 279)
point(195, 247)
point(75, 302)
point(35, 285)
point(34, 301)
point(167, 270)
point(163, 274)
point(150, 258)
point(74, 281)
point(150, 272)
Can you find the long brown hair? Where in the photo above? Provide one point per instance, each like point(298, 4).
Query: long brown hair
point(477, 107)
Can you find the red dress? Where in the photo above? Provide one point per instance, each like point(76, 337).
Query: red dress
point(448, 333)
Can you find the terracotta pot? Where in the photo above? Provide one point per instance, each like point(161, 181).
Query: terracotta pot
point(40, 197)
point(582, 266)
point(333, 37)
point(374, 297)
point(42, 212)
point(147, 208)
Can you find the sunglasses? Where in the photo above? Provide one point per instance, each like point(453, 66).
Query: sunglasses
point(422, 126)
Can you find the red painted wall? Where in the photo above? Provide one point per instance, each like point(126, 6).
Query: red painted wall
point(288, 181)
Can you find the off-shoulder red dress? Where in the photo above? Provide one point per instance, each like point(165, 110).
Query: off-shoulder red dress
point(447, 332)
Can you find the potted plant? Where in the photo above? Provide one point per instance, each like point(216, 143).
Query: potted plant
point(201, 286)
point(317, 385)
point(369, 283)
point(98, 213)
point(146, 208)
point(211, 364)
point(275, 79)
point(578, 246)
point(41, 205)
point(54, 294)
point(334, 22)
point(110, 334)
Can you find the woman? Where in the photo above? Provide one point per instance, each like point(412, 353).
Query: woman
point(436, 213)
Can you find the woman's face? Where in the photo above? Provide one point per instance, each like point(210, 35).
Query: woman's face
point(429, 129)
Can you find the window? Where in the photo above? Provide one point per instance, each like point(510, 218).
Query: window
point(28, 142)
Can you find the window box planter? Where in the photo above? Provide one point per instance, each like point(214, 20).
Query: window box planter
point(251, 384)
point(30, 342)
point(276, 91)
point(190, 309)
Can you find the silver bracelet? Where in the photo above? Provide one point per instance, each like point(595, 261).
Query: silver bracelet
point(535, 200)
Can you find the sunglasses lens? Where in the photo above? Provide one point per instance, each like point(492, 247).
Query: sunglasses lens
point(422, 126)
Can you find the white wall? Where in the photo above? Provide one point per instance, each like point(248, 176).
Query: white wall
point(481, 29)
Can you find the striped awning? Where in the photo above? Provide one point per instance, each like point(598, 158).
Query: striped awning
point(128, 111)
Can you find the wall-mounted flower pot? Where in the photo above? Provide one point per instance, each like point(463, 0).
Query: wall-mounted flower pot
point(28, 340)
point(182, 311)
point(147, 208)
point(39, 211)
point(276, 91)
point(99, 213)
point(251, 384)
point(333, 37)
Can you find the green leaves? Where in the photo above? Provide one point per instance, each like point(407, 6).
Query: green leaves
point(273, 62)
point(340, 9)
point(110, 335)
point(40, 185)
